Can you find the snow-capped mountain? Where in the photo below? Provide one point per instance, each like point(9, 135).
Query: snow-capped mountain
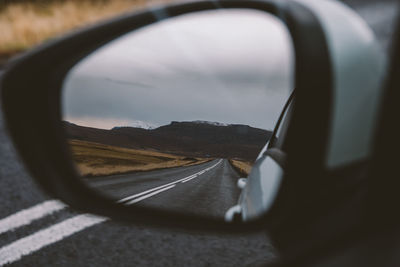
point(211, 123)
point(138, 124)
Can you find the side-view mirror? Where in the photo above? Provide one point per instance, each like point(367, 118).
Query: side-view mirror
point(186, 115)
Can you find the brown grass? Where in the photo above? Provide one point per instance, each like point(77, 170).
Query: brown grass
point(243, 167)
point(94, 159)
point(24, 24)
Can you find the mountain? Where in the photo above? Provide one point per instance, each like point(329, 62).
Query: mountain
point(211, 123)
point(192, 139)
point(138, 124)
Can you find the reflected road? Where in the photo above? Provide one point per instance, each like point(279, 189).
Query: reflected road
point(207, 189)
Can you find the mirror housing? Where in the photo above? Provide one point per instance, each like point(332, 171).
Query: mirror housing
point(31, 101)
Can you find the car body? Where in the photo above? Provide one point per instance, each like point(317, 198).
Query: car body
point(352, 46)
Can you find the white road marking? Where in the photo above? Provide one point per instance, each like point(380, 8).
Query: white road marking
point(150, 195)
point(25, 246)
point(45, 237)
point(149, 191)
point(182, 180)
point(189, 178)
point(26, 216)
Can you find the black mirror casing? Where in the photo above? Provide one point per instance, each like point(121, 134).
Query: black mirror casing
point(31, 95)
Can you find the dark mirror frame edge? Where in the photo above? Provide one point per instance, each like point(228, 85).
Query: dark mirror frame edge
point(31, 92)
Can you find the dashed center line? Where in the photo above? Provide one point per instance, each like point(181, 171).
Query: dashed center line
point(149, 195)
point(26, 245)
point(27, 216)
point(128, 200)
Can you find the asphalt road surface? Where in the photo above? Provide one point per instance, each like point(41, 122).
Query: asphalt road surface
point(38, 231)
point(208, 189)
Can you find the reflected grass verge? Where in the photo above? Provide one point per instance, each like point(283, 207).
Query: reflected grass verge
point(95, 159)
point(242, 167)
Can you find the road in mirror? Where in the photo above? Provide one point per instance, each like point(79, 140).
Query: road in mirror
point(173, 114)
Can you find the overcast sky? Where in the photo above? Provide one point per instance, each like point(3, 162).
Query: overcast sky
point(230, 66)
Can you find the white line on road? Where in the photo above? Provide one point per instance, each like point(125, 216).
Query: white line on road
point(45, 237)
point(187, 180)
point(26, 216)
point(183, 180)
point(149, 195)
point(150, 190)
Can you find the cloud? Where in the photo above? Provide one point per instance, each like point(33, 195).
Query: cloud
point(227, 66)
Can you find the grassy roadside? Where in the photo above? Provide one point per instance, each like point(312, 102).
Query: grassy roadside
point(94, 159)
point(242, 167)
point(25, 24)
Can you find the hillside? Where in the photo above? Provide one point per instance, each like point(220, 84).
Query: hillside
point(194, 139)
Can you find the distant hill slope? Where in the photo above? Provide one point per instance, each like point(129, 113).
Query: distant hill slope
point(196, 139)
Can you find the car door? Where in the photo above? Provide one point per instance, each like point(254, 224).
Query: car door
point(266, 175)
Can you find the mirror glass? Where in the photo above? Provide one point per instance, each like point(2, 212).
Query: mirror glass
point(173, 114)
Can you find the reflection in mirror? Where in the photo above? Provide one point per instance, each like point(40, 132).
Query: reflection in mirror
point(173, 114)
